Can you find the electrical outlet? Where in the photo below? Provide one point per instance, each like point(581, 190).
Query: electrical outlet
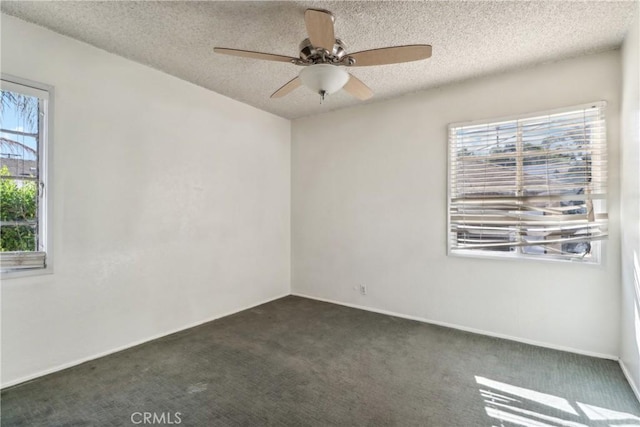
point(363, 289)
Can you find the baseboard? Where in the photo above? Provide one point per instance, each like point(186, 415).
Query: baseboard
point(462, 328)
point(630, 380)
point(133, 344)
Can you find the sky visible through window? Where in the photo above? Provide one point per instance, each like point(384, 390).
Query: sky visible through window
point(13, 118)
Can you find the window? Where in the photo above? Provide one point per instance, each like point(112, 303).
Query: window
point(530, 187)
point(25, 149)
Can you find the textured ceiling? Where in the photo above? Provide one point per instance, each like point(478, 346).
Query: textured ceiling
point(469, 39)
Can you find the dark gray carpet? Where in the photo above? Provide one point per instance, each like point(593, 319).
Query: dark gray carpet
point(298, 362)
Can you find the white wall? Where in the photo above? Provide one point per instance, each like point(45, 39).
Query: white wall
point(369, 207)
point(630, 206)
point(171, 202)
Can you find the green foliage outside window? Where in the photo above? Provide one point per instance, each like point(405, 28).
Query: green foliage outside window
point(17, 205)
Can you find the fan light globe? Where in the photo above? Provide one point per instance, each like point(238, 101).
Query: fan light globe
point(324, 78)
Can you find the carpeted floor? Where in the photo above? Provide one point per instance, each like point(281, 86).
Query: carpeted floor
point(298, 362)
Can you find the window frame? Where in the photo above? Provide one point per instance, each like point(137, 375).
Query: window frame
point(45, 160)
point(598, 247)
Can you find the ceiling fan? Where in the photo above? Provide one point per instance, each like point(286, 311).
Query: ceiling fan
point(324, 58)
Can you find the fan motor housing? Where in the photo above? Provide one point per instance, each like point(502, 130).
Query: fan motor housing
point(312, 55)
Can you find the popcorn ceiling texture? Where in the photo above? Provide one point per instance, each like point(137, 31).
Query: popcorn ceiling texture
point(469, 39)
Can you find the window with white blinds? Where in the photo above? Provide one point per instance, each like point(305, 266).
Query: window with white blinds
point(532, 186)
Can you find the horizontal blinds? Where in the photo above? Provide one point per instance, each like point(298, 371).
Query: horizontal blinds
point(535, 182)
point(22, 260)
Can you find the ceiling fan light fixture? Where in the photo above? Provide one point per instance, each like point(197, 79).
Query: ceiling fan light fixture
point(324, 57)
point(324, 79)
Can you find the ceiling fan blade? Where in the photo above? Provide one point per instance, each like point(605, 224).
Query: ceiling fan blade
point(391, 55)
point(287, 88)
point(356, 88)
point(255, 55)
point(319, 24)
